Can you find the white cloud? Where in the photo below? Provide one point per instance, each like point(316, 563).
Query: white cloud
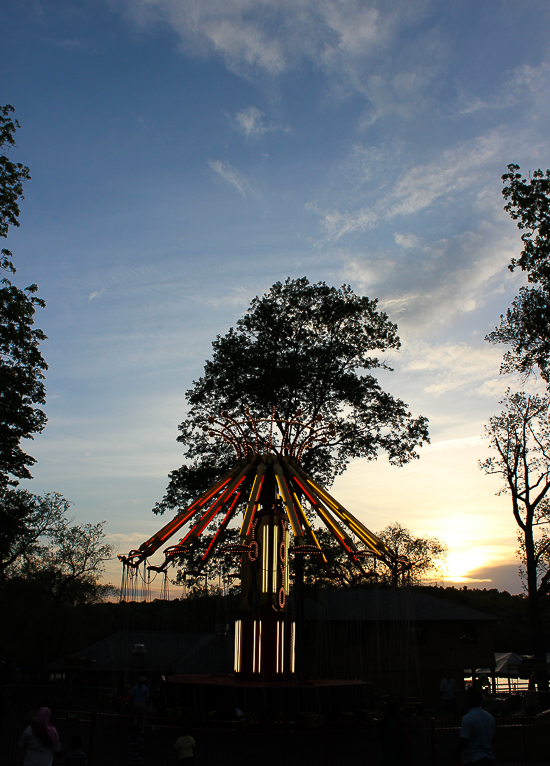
point(524, 80)
point(233, 177)
point(457, 170)
point(238, 297)
point(251, 123)
point(271, 36)
point(95, 294)
point(452, 444)
point(450, 366)
point(430, 286)
point(339, 224)
point(406, 240)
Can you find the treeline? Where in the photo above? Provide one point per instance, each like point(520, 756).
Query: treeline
point(37, 632)
point(511, 628)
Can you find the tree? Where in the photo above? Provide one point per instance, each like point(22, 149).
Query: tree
point(25, 519)
point(220, 575)
point(526, 325)
point(300, 346)
point(520, 435)
point(21, 364)
point(427, 555)
point(40, 545)
point(68, 567)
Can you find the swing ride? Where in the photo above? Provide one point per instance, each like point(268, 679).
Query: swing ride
point(268, 484)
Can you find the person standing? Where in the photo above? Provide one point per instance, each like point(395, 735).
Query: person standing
point(477, 732)
point(134, 748)
point(447, 687)
point(139, 695)
point(39, 741)
point(76, 756)
point(185, 748)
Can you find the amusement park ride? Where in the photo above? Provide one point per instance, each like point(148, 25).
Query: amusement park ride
point(269, 485)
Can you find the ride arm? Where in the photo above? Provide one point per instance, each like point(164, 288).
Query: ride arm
point(365, 535)
point(151, 545)
point(252, 502)
point(287, 500)
point(333, 527)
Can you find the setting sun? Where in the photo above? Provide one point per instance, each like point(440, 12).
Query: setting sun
point(461, 563)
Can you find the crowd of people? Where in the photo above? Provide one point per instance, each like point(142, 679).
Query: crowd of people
point(40, 745)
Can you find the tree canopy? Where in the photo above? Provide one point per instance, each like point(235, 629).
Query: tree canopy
point(40, 545)
point(427, 556)
point(526, 325)
point(22, 366)
point(308, 347)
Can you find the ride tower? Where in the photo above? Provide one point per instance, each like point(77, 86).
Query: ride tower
point(276, 496)
point(265, 630)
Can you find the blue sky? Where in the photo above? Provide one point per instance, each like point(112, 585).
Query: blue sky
point(185, 155)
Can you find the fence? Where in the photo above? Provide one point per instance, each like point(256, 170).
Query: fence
point(279, 742)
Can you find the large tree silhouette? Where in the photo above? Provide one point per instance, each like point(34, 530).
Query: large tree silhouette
point(520, 435)
point(22, 366)
point(300, 346)
point(525, 327)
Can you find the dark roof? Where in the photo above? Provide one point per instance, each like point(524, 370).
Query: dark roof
point(388, 605)
point(164, 653)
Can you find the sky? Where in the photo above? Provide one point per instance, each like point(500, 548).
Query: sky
point(186, 155)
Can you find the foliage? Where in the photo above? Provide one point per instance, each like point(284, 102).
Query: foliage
point(427, 555)
point(220, 575)
point(526, 325)
point(24, 520)
point(528, 203)
point(21, 364)
point(511, 629)
point(12, 175)
point(69, 566)
point(38, 544)
point(520, 435)
point(300, 346)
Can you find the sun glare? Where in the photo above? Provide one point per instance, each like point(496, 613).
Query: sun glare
point(461, 563)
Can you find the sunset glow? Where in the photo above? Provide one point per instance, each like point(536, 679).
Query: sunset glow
point(183, 161)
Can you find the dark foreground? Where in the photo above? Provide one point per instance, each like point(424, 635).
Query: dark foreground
point(278, 741)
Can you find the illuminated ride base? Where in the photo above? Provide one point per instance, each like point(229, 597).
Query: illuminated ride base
point(268, 484)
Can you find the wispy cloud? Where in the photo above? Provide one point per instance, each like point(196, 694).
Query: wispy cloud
point(233, 177)
point(428, 284)
point(95, 294)
point(406, 241)
point(452, 444)
point(450, 366)
point(455, 170)
point(524, 80)
point(271, 36)
point(251, 123)
point(238, 297)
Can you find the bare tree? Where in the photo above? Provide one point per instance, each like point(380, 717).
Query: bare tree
point(25, 519)
point(40, 544)
point(70, 563)
point(520, 435)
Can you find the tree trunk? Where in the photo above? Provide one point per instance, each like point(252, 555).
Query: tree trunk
point(535, 616)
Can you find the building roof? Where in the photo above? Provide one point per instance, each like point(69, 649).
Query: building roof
point(153, 651)
point(397, 605)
